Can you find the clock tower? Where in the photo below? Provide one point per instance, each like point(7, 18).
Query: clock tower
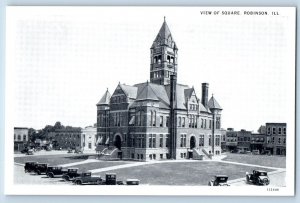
point(163, 57)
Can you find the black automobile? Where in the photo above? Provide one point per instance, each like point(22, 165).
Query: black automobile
point(258, 177)
point(219, 180)
point(30, 166)
point(71, 174)
point(87, 178)
point(41, 168)
point(53, 171)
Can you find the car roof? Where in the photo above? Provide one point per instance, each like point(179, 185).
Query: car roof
point(261, 171)
point(224, 176)
point(72, 168)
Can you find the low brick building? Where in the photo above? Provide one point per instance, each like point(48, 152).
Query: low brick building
point(20, 138)
point(276, 138)
point(68, 138)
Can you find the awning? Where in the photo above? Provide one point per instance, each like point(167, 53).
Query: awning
point(131, 122)
point(107, 141)
point(99, 140)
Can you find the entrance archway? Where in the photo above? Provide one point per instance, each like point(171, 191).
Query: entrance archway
point(192, 142)
point(118, 142)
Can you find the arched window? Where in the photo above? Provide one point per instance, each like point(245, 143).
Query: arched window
point(19, 137)
point(24, 137)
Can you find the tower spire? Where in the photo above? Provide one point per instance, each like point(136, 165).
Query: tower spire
point(163, 56)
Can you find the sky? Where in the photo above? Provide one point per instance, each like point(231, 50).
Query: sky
point(61, 60)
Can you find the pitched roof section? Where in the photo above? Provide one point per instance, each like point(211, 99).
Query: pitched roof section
point(147, 93)
point(105, 99)
point(130, 91)
point(180, 95)
point(188, 92)
point(213, 104)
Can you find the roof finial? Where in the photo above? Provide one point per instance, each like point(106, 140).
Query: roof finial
point(212, 95)
point(164, 18)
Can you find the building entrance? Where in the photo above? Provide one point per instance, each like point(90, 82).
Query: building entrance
point(192, 142)
point(118, 142)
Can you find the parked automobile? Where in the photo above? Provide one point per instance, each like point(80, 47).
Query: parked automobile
point(132, 182)
point(41, 168)
point(87, 178)
point(258, 177)
point(219, 180)
point(24, 151)
point(30, 166)
point(53, 171)
point(255, 152)
point(71, 174)
point(29, 152)
point(78, 151)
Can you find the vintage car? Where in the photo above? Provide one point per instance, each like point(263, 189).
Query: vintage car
point(29, 152)
point(40, 168)
point(53, 171)
point(132, 182)
point(87, 178)
point(258, 177)
point(71, 174)
point(219, 180)
point(30, 166)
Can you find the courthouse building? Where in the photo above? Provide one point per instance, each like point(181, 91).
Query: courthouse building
point(160, 118)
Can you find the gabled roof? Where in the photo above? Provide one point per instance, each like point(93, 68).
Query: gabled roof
point(130, 91)
point(213, 104)
point(105, 98)
point(147, 93)
point(203, 109)
point(188, 92)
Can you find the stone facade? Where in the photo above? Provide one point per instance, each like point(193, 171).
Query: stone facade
point(88, 135)
point(160, 119)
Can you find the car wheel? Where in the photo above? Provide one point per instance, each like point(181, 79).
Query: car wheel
point(98, 182)
point(209, 183)
point(38, 172)
point(265, 181)
point(247, 179)
point(78, 182)
point(66, 178)
point(51, 175)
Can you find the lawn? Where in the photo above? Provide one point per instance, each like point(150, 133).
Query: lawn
point(181, 173)
point(263, 160)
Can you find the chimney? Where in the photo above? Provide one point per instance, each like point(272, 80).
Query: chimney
point(173, 122)
point(204, 98)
